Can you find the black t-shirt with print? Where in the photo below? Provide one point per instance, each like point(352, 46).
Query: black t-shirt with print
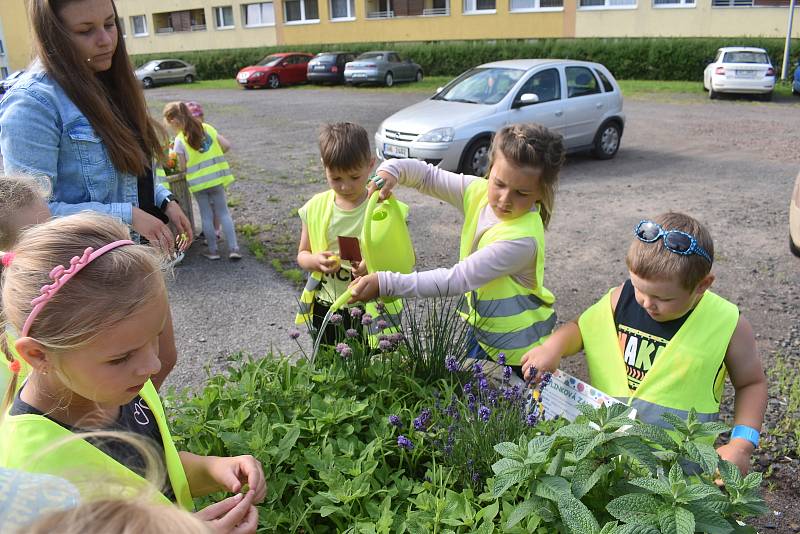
point(641, 338)
point(135, 417)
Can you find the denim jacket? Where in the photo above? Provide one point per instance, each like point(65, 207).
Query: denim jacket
point(43, 133)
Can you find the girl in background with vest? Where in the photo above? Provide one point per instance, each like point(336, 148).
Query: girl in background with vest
point(200, 152)
point(88, 306)
point(663, 342)
point(501, 267)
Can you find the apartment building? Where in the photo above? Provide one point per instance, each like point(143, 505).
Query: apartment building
point(15, 40)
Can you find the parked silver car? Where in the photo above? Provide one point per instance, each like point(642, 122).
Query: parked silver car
point(454, 128)
point(162, 71)
point(384, 67)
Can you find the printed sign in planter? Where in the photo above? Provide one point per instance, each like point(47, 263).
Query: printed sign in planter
point(565, 393)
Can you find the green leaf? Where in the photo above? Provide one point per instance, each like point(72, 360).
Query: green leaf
point(553, 488)
point(635, 529)
point(505, 465)
point(575, 430)
point(576, 516)
point(635, 448)
point(752, 480)
point(506, 479)
point(696, 492)
point(488, 513)
point(587, 473)
point(521, 511)
point(676, 521)
point(676, 422)
point(675, 475)
point(652, 433)
point(538, 449)
point(730, 474)
point(653, 485)
point(510, 450)
point(707, 520)
point(584, 445)
point(636, 508)
point(325, 511)
point(702, 454)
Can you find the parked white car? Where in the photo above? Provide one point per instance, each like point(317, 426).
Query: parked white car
point(454, 127)
point(740, 69)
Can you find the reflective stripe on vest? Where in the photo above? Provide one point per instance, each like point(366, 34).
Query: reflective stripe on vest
point(206, 169)
point(505, 315)
point(689, 373)
point(93, 472)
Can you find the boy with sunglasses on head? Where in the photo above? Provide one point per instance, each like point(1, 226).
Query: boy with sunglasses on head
point(662, 342)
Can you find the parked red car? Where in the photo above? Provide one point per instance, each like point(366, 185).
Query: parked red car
point(275, 70)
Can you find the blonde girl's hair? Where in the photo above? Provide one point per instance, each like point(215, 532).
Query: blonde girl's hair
point(17, 193)
point(190, 125)
point(533, 145)
point(113, 101)
point(111, 288)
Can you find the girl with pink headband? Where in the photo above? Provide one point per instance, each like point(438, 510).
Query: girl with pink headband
point(89, 305)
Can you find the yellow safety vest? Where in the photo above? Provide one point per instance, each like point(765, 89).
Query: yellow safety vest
point(25, 440)
point(320, 211)
point(505, 315)
point(689, 373)
point(206, 169)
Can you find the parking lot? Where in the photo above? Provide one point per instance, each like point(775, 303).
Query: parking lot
point(731, 163)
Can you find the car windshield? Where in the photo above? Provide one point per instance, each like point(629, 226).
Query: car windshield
point(745, 57)
point(481, 86)
point(370, 55)
point(270, 61)
point(150, 64)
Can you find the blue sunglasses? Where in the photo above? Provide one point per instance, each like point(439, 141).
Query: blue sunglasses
point(674, 240)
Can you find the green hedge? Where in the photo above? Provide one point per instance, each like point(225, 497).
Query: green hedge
point(627, 58)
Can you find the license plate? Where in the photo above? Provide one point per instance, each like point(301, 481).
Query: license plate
point(359, 75)
point(319, 67)
point(745, 74)
point(395, 151)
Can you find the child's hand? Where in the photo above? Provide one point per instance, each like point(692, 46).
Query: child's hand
point(361, 268)
point(737, 451)
point(383, 181)
point(327, 262)
point(364, 289)
point(231, 473)
point(234, 515)
point(543, 359)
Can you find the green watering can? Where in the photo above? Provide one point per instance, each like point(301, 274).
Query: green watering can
point(385, 242)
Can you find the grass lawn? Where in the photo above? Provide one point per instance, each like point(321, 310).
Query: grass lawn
point(630, 88)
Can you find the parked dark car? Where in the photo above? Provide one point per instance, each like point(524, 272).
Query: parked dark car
point(328, 67)
point(275, 70)
point(10, 80)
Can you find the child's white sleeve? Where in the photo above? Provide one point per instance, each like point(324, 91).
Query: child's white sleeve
point(501, 258)
point(429, 179)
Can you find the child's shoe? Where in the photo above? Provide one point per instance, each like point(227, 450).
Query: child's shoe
point(234, 255)
point(211, 255)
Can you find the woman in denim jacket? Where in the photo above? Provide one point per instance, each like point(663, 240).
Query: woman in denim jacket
point(79, 117)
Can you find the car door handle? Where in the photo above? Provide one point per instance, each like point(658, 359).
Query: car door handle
point(599, 105)
point(559, 113)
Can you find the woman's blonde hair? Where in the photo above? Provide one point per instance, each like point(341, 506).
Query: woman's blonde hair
point(108, 290)
point(17, 193)
point(533, 145)
point(190, 125)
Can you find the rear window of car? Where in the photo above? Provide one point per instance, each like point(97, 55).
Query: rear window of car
point(745, 57)
point(325, 58)
point(370, 55)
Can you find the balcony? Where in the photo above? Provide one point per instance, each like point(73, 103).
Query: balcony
point(389, 9)
point(192, 20)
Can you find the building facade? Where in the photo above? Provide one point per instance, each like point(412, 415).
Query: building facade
point(165, 26)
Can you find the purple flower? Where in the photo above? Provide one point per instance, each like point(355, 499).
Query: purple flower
point(476, 477)
point(468, 387)
point(356, 312)
point(336, 318)
point(477, 370)
point(404, 443)
point(397, 337)
point(381, 324)
point(421, 422)
point(483, 384)
point(508, 394)
point(341, 346)
point(484, 413)
point(501, 358)
point(346, 352)
point(394, 420)
point(294, 333)
point(385, 345)
point(366, 320)
point(531, 419)
point(545, 381)
point(351, 333)
point(451, 364)
point(471, 402)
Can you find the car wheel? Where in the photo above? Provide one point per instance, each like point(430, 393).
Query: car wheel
point(606, 140)
point(712, 94)
point(767, 97)
point(793, 247)
point(419, 76)
point(188, 79)
point(475, 160)
point(147, 83)
point(388, 81)
point(273, 81)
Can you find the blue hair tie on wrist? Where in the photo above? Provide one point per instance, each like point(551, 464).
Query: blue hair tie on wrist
point(745, 432)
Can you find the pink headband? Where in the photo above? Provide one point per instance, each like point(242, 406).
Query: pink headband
point(61, 276)
point(6, 258)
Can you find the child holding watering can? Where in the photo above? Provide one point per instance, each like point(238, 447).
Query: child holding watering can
point(501, 267)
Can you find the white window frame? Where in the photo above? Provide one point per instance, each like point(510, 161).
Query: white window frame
point(475, 10)
point(537, 7)
point(351, 11)
point(302, 19)
point(607, 6)
point(218, 17)
point(144, 22)
point(679, 4)
point(259, 24)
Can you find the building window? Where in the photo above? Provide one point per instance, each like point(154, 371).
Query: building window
point(223, 17)
point(139, 23)
point(750, 3)
point(532, 5)
point(673, 3)
point(476, 6)
point(607, 3)
point(180, 21)
point(342, 9)
point(260, 14)
point(300, 10)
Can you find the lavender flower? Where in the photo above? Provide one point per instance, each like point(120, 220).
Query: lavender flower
point(351, 333)
point(451, 364)
point(484, 413)
point(385, 345)
point(421, 422)
point(501, 358)
point(471, 402)
point(381, 324)
point(468, 387)
point(336, 318)
point(366, 320)
point(483, 384)
point(404, 443)
point(294, 333)
point(531, 419)
point(476, 477)
point(394, 420)
point(477, 370)
point(356, 312)
point(507, 370)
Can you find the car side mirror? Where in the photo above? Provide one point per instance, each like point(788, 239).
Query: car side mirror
point(156, 68)
point(439, 90)
point(526, 99)
point(284, 63)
